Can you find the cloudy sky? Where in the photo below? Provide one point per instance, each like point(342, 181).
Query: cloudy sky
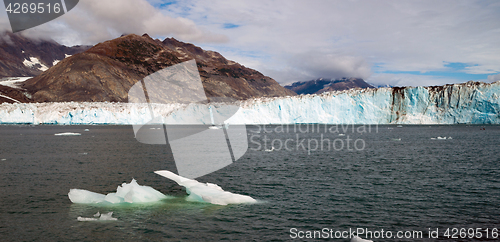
point(385, 42)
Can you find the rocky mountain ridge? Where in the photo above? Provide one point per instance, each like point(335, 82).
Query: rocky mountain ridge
point(21, 56)
point(106, 72)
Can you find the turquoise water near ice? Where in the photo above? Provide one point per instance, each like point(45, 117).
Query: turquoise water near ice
point(401, 180)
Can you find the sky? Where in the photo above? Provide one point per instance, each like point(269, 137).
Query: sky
point(396, 43)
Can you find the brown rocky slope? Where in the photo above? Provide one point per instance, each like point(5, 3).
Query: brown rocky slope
point(108, 70)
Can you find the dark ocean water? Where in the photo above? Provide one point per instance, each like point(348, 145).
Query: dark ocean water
point(389, 178)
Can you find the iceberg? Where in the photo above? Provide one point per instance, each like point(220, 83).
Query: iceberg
point(126, 193)
point(206, 192)
point(466, 103)
point(68, 134)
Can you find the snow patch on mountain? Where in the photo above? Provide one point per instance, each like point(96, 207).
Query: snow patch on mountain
point(34, 62)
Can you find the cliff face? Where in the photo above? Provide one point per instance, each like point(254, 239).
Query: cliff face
point(108, 70)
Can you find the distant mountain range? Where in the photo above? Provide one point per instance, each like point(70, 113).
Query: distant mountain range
point(21, 56)
point(106, 71)
point(322, 85)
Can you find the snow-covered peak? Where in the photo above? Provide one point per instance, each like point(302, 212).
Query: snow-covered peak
point(34, 62)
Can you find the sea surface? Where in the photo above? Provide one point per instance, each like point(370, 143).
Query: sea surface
point(373, 178)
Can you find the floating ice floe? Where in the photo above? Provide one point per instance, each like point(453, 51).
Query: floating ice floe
point(86, 130)
point(67, 134)
point(441, 138)
point(99, 217)
point(126, 193)
point(206, 192)
point(358, 239)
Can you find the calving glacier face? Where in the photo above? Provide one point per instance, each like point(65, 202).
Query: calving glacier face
point(471, 103)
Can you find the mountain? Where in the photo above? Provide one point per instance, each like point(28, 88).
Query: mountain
point(327, 85)
point(108, 70)
point(21, 56)
point(466, 103)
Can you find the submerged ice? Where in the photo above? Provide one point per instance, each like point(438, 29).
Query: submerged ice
point(126, 193)
point(206, 192)
point(99, 217)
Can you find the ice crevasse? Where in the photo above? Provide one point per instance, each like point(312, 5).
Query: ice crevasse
point(467, 103)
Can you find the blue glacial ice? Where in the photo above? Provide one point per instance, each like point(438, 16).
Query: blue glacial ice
point(126, 193)
point(469, 103)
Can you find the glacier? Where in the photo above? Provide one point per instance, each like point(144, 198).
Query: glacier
point(465, 103)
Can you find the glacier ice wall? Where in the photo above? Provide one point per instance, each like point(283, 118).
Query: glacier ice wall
point(471, 103)
point(68, 113)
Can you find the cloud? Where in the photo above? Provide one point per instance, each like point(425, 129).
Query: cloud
point(93, 21)
point(400, 80)
point(299, 40)
point(349, 36)
point(494, 78)
point(318, 64)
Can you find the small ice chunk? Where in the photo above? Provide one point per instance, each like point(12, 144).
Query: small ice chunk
point(67, 134)
point(84, 196)
point(86, 219)
point(358, 239)
point(86, 130)
point(102, 217)
point(126, 193)
point(206, 192)
point(107, 216)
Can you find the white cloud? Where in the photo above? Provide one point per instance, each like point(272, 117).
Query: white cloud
point(419, 36)
point(494, 78)
point(93, 21)
point(299, 40)
point(400, 80)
